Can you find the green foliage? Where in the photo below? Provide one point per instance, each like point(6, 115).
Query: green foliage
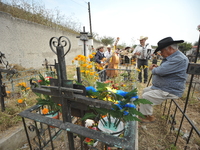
point(185, 46)
point(107, 40)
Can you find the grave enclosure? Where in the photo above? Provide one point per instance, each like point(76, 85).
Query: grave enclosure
point(74, 102)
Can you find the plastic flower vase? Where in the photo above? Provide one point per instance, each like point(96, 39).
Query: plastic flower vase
point(54, 115)
point(111, 129)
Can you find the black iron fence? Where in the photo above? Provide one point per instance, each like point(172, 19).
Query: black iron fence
point(74, 104)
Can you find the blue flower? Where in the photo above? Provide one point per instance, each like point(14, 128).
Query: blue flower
point(126, 113)
point(130, 105)
point(122, 93)
point(91, 88)
point(136, 97)
point(119, 106)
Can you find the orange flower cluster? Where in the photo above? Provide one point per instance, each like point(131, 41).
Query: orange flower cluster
point(87, 68)
point(45, 111)
point(23, 87)
point(20, 101)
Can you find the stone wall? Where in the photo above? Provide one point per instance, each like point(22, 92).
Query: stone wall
point(27, 44)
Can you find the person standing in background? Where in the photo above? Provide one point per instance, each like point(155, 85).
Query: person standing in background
point(143, 53)
point(108, 53)
point(100, 62)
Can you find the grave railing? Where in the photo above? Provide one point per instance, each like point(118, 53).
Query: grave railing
point(74, 104)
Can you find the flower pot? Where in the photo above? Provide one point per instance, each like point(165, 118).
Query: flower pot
point(111, 129)
point(54, 115)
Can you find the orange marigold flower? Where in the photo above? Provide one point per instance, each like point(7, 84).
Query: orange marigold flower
point(82, 70)
point(28, 88)
point(84, 65)
point(91, 56)
point(72, 61)
point(76, 58)
point(45, 111)
point(87, 71)
point(8, 92)
point(93, 53)
point(20, 101)
point(89, 66)
point(91, 73)
point(23, 84)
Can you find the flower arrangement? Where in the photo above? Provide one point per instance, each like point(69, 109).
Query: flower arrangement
point(123, 104)
point(87, 69)
point(49, 106)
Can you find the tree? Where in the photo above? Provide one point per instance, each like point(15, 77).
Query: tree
point(185, 47)
point(195, 43)
point(107, 40)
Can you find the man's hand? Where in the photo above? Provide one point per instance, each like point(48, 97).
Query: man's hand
point(152, 66)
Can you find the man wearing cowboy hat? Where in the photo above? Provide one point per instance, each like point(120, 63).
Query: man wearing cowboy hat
point(99, 57)
point(168, 79)
point(108, 53)
point(142, 52)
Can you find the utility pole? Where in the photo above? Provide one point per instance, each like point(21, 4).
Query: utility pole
point(90, 18)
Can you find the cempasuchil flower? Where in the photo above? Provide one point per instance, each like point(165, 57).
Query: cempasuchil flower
point(20, 101)
point(45, 111)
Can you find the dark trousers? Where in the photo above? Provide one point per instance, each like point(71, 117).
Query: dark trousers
point(141, 63)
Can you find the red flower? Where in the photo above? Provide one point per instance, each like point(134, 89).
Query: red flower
point(88, 140)
point(107, 81)
point(39, 81)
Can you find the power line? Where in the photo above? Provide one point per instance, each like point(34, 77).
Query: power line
point(79, 3)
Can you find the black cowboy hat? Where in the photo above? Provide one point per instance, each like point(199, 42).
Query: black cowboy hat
point(166, 42)
point(127, 47)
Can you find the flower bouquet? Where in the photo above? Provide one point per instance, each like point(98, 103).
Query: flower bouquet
point(123, 107)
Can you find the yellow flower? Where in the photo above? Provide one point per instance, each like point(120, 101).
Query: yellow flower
point(82, 70)
point(84, 65)
point(89, 66)
point(93, 53)
point(20, 101)
point(87, 71)
point(91, 73)
point(91, 56)
point(28, 88)
point(8, 92)
point(45, 111)
point(138, 70)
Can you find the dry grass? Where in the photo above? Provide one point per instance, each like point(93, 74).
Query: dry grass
point(157, 135)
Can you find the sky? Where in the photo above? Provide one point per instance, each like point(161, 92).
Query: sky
point(130, 19)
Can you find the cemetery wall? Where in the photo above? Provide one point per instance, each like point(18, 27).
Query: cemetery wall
point(27, 44)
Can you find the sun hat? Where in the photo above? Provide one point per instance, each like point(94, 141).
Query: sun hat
point(143, 37)
point(99, 47)
point(166, 42)
point(108, 46)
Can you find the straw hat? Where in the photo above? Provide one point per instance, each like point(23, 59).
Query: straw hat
point(99, 47)
point(143, 37)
